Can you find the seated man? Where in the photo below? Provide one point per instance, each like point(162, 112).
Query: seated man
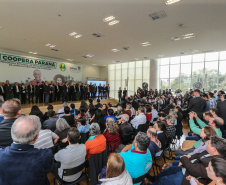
point(11, 110)
point(119, 113)
point(51, 122)
point(68, 117)
point(154, 112)
point(98, 105)
point(171, 129)
point(170, 106)
point(137, 157)
point(155, 145)
point(24, 164)
point(139, 119)
point(194, 165)
point(128, 110)
point(126, 130)
point(97, 142)
point(110, 114)
point(73, 155)
point(60, 112)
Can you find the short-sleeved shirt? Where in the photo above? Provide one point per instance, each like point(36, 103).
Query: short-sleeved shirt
point(45, 139)
point(137, 163)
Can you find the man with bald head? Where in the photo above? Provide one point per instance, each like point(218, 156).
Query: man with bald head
point(155, 145)
point(24, 164)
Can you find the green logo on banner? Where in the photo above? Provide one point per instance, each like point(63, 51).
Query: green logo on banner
point(62, 67)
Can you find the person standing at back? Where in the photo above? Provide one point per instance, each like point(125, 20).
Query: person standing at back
point(197, 104)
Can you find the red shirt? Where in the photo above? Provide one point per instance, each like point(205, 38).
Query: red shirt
point(111, 138)
point(148, 116)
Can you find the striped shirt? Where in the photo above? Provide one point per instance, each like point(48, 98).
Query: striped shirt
point(45, 139)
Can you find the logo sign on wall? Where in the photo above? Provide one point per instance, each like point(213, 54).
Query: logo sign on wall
point(63, 67)
point(20, 61)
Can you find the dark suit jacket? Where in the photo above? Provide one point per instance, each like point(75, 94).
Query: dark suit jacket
point(119, 93)
point(1, 93)
point(5, 132)
point(197, 105)
point(25, 165)
point(125, 92)
point(14, 89)
point(37, 89)
point(46, 89)
point(198, 168)
point(8, 88)
point(221, 106)
point(30, 88)
point(162, 138)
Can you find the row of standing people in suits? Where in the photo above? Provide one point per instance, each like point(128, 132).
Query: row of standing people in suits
point(44, 92)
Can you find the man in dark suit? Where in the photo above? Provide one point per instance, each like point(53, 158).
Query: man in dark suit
point(221, 107)
point(2, 91)
point(78, 91)
point(168, 107)
point(108, 90)
point(197, 104)
point(37, 92)
point(46, 92)
point(24, 164)
point(42, 92)
point(57, 92)
point(124, 92)
point(8, 90)
point(16, 90)
point(11, 110)
point(73, 91)
point(65, 88)
point(100, 91)
point(119, 94)
point(30, 90)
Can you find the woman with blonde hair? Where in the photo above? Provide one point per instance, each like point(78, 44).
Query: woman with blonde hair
point(111, 134)
point(116, 172)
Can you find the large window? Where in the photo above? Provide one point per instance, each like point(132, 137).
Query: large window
point(183, 72)
point(129, 75)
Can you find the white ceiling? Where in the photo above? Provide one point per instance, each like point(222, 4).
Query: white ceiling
point(30, 24)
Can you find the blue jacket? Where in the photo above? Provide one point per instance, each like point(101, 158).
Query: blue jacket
point(25, 165)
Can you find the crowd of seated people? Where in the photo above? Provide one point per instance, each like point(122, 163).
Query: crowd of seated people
point(139, 129)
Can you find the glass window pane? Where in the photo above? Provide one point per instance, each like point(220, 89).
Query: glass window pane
point(146, 74)
point(175, 84)
point(138, 64)
point(186, 59)
point(222, 76)
point(223, 55)
point(146, 63)
point(211, 56)
point(118, 66)
point(138, 83)
point(163, 84)
point(175, 60)
point(164, 61)
point(174, 71)
point(186, 70)
point(139, 73)
point(131, 87)
point(131, 73)
point(118, 74)
point(211, 74)
point(185, 83)
point(164, 71)
point(197, 72)
point(124, 65)
point(198, 58)
point(131, 64)
point(117, 85)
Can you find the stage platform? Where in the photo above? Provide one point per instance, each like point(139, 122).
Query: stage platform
point(26, 108)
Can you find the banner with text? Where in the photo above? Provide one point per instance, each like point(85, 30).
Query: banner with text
point(24, 69)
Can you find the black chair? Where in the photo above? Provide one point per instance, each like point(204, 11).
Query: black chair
point(84, 137)
point(72, 171)
point(140, 179)
point(142, 128)
point(96, 163)
point(155, 158)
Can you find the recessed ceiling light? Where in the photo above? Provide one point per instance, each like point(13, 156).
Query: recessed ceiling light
point(34, 53)
point(145, 44)
point(188, 36)
point(70, 59)
point(174, 38)
point(72, 34)
point(108, 18)
point(77, 36)
point(48, 44)
point(88, 56)
point(30, 52)
point(52, 46)
point(171, 2)
point(113, 22)
point(115, 50)
point(94, 64)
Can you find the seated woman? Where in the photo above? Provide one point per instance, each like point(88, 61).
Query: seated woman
point(115, 172)
point(62, 128)
point(96, 142)
point(215, 171)
point(45, 116)
point(161, 133)
point(111, 134)
point(205, 134)
point(84, 128)
point(36, 112)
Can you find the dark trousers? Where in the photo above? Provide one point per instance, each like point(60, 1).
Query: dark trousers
point(37, 97)
point(100, 94)
point(8, 95)
point(88, 95)
point(16, 95)
point(65, 97)
point(31, 97)
point(23, 98)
